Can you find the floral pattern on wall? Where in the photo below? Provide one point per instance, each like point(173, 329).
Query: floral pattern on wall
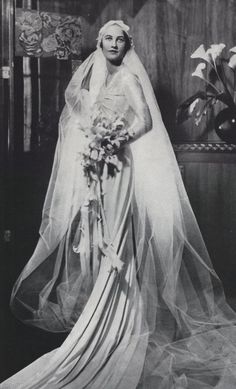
point(47, 34)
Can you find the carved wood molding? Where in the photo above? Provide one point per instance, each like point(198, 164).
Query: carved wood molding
point(209, 147)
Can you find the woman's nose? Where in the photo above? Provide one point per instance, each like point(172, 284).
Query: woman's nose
point(114, 43)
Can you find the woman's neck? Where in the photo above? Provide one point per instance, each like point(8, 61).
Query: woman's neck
point(112, 68)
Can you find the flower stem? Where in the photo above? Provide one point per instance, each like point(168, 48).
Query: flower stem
point(223, 80)
point(212, 85)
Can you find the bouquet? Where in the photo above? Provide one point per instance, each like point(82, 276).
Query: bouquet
point(105, 139)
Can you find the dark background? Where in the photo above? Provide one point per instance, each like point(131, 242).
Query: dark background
point(165, 33)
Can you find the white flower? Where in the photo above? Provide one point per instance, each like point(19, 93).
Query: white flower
point(116, 143)
point(200, 52)
point(100, 130)
point(94, 155)
point(232, 61)
point(118, 123)
point(98, 137)
point(233, 49)
point(199, 70)
point(210, 54)
point(92, 144)
point(215, 50)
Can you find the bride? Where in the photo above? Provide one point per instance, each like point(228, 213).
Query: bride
point(120, 263)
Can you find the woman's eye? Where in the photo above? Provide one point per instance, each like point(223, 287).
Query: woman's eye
point(120, 40)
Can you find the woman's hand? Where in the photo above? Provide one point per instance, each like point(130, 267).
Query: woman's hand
point(113, 144)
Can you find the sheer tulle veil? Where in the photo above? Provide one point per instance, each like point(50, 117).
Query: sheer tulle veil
point(184, 304)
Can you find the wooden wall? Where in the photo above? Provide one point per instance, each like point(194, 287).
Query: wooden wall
point(211, 186)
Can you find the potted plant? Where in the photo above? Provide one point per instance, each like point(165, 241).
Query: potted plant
point(219, 75)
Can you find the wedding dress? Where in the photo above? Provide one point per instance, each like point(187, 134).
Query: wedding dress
point(121, 264)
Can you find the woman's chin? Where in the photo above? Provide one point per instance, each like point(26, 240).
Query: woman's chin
point(114, 59)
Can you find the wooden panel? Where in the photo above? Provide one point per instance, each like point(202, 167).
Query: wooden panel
point(211, 187)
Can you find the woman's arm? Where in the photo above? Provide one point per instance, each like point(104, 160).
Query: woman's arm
point(141, 117)
point(143, 121)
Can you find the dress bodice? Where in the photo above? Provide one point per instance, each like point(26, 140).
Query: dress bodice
point(112, 102)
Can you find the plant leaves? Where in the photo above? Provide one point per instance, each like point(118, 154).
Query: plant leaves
point(183, 111)
point(208, 104)
point(226, 99)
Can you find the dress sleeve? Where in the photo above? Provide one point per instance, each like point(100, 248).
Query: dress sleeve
point(136, 99)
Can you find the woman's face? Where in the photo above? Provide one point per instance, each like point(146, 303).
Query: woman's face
point(114, 44)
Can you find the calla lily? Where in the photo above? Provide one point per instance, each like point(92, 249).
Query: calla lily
point(215, 50)
point(210, 54)
point(232, 62)
point(233, 49)
point(200, 52)
point(199, 71)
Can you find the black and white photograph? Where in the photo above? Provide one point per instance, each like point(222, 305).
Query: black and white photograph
point(117, 194)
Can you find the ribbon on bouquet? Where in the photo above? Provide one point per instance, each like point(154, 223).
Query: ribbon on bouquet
point(92, 240)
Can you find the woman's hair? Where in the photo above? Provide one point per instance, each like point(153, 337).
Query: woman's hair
point(127, 41)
